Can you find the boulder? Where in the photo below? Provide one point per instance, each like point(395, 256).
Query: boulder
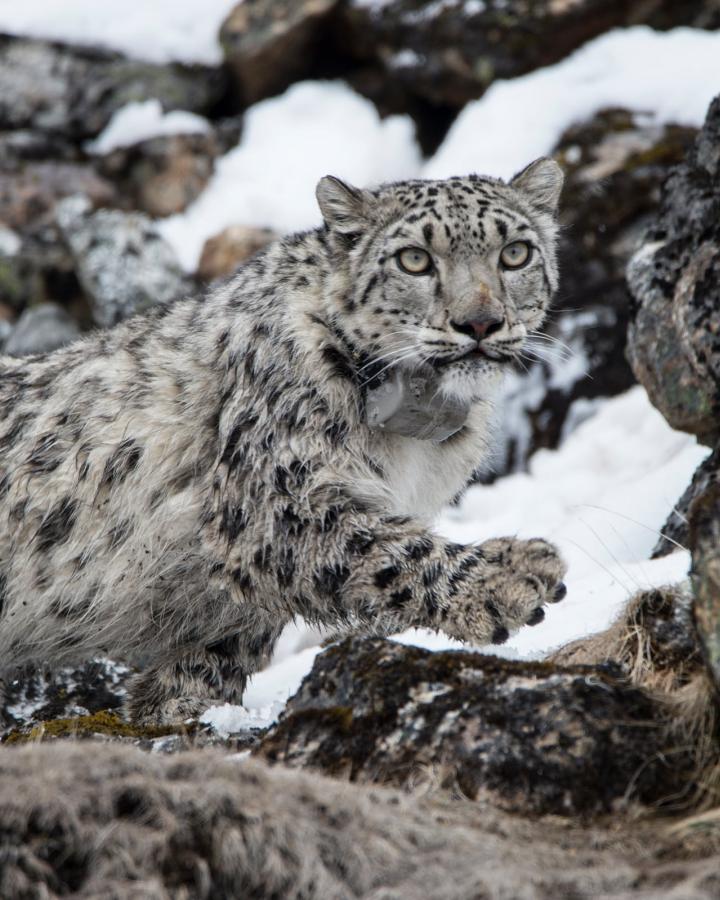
point(269, 44)
point(29, 192)
point(450, 52)
point(615, 165)
point(224, 252)
point(676, 530)
point(704, 527)
point(40, 329)
point(163, 175)
point(674, 340)
point(73, 91)
point(527, 737)
point(122, 263)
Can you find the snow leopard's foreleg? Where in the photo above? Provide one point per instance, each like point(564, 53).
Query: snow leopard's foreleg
point(388, 574)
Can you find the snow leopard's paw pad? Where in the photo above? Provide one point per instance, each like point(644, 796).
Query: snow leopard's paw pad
point(517, 579)
point(175, 712)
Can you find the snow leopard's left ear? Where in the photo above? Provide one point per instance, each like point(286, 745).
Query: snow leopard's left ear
point(542, 182)
point(344, 208)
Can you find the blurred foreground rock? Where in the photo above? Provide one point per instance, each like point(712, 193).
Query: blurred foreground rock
point(93, 821)
point(615, 165)
point(527, 737)
point(122, 263)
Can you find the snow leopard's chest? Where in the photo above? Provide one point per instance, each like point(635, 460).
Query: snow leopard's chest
point(423, 476)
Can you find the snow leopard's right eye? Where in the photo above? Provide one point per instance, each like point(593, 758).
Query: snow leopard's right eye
point(414, 261)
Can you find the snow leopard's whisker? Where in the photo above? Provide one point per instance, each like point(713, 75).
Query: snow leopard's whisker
point(392, 355)
point(544, 336)
point(612, 556)
point(402, 357)
point(614, 512)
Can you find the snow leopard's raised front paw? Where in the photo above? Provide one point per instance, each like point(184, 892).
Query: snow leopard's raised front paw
point(514, 581)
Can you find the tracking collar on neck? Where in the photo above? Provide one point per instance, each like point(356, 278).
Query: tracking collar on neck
point(405, 402)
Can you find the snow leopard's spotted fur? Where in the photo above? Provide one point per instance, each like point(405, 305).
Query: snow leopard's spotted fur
point(174, 491)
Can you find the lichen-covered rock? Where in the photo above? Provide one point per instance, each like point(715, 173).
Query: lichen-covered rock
point(268, 44)
point(450, 52)
point(123, 264)
point(73, 91)
point(224, 252)
point(163, 175)
point(525, 736)
point(674, 337)
point(40, 329)
point(615, 165)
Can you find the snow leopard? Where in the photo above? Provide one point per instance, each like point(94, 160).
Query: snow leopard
point(176, 490)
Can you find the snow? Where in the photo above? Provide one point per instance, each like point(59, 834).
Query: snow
point(10, 242)
point(672, 76)
point(141, 121)
point(601, 497)
point(288, 143)
point(154, 30)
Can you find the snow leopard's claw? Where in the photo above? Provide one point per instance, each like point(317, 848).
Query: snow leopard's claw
point(536, 617)
point(558, 594)
point(500, 635)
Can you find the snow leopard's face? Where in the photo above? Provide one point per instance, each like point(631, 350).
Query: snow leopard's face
point(452, 274)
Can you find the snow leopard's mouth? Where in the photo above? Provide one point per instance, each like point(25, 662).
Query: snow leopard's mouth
point(473, 354)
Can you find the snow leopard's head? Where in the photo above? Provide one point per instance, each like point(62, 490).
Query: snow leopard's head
point(451, 274)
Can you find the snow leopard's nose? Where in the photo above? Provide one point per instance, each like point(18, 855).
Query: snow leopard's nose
point(480, 325)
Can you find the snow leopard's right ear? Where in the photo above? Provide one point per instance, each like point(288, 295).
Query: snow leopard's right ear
point(345, 209)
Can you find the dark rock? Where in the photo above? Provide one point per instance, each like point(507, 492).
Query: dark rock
point(526, 736)
point(676, 529)
point(122, 263)
point(674, 342)
point(269, 44)
point(73, 91)
point(224, 252)
point(163, 175)
point(705, 544)
point(450, 52)
point(615, 165)
point(41, 329)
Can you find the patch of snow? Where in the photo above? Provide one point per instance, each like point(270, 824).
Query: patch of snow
point(288, 144)
point(154, 30)
point(137, 122)
point(672, 76)
point(10, 243)
point(228, 719)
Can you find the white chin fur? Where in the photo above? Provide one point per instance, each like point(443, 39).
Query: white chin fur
point(470, 383)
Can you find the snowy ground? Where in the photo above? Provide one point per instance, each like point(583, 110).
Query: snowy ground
point(601, 497)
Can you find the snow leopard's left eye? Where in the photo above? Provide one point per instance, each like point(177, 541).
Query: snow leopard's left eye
point(414, 261)
point(516, 255)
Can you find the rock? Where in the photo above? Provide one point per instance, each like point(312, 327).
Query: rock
point(122, 263)
point(705, 544)
point(674, 339)
point(269, 44)
point(91, 820)
point(223, 253)
point(615, 165)
point(527, 737)
point(450, 52)
point(163, 175)
point(29, 192)
point(676, 529)
point(41, 329)
point(73, 91)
